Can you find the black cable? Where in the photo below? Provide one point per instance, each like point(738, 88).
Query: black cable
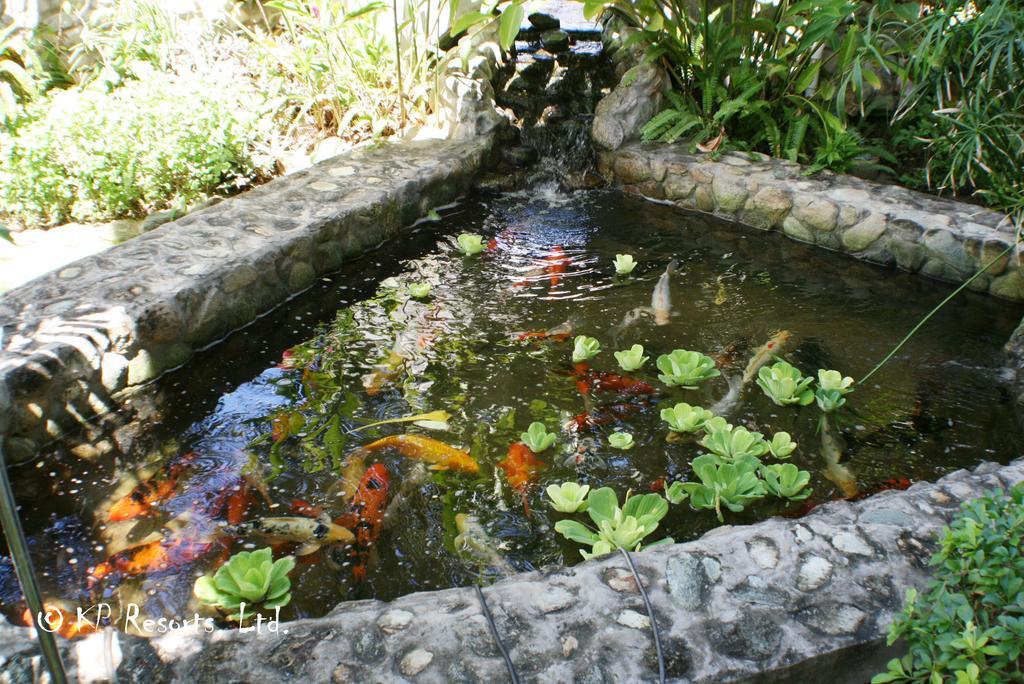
point(650, 614)
point(497, 639)
point(26, 573)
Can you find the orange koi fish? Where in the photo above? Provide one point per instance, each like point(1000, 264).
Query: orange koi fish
point(588, 380)
point(367, 517)
point(438, 454)
point(61, 621)
point(141, 500)
point(605, 416)
point(560, 333)
point(238, 503)
point(304, 508)
point(521, 467)
point(154, 556)
point(556, 263)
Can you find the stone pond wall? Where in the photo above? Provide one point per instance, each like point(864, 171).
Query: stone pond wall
point(804, 600)
point(73, 341)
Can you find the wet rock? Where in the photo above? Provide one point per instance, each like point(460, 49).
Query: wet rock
point(619, 116)
point(819, 214)
point(767, 207)
point(519, 156)
point(730, 192)
point(679, 186)
point(792, 227)
point(415, 662)
point(544, 22)
point(555, 41)
point(862, 235)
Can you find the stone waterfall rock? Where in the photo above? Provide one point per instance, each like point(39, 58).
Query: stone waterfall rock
point(637, 98)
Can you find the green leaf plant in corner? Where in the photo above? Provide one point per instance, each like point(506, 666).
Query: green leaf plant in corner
point(785, 385)
point(615, 527)
point(247, 579)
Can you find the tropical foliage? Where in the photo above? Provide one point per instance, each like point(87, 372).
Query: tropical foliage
point(616, 527)
point(249, 579)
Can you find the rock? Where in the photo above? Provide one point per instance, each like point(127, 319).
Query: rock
point(631, 169)
point(555, 41)
point(544, 22)
point(621, 580)
point(764, 552)
point(633, 620)
point(159, 218)
point(702, 198)
point(730, 192)
point(415, 661)
point(569, 645)
point(553, 600)
point(113, 371)
point(863, 234)
point(679, 186)
point(792, 227)
point(1009, 286)
point(394, 621)
point(767, 208)
point(851, 543)
point(620, 115)
point(519, 156)
point(813, 574)
point(837, 619)
point(687, 580)
point(947, 248)
point(819, 214)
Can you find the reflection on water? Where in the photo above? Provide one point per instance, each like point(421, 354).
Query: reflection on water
point(270, 424)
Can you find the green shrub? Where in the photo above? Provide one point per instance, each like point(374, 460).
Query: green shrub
point(968, 624)
point(90, 154)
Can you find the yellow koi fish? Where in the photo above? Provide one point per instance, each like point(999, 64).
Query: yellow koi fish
point(438, 454)
point(312, 533)
point(772, 347)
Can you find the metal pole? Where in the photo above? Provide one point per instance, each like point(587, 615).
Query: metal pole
point(15, 536)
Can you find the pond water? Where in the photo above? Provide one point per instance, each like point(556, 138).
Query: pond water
point(283, 403)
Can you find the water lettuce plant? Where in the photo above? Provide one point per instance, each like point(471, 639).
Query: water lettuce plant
point(685, 418)
point(252, 578)
point(568, 497)
point(785, 385)
point(734, 443)
point(832, 390)
point(686, 369)
point(732, 485)
point(621, 440)
point(537, 437)
point(786, 481)
point(782, 445)
point(616, 527)
point(585, 348)
point(419, 290)
point(632, 359)
point(470, 244)
point(624, 264)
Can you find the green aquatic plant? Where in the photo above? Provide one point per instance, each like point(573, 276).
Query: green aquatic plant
point(734, 443)
point(782, 445)
point(249, 578)
point(686, 369)
point(537, 437)
point(787, 481)
point(632, 359)
point(624, 264)
point(621, 440)
point(732, 485)
point(419, 290)
point(568, 497)
point(470, 244)
point(585, 348)
point(785, 385)
point(685, 418)
point(616, 527)
point(832, 390)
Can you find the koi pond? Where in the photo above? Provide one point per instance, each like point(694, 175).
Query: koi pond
point(396, 428)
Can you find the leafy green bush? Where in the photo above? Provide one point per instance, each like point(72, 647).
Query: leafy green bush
point(968, 624)
point(89, 154)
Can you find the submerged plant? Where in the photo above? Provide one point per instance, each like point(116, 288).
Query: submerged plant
point(568, 497)
point(782, 445)
point(585, 348)
point(685, 418)
point(621, 440)
point(787, 481)
point(624, 527)
point(732, 485)
point(419, 290)
point(686, 369)
point(537, 437)
point(734, 443)
point(632, 359)
point(832, 390)
point(785, 385)
point(249, 578)
point(624, 264)
point(470, 244)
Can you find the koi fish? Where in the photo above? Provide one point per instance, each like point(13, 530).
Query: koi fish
point(521, 467)
point(605, 416)
point(383, 373)
point(367, 517)
point(305, 509)
point(559, 333)
point(832, 452)
point(556, 262)
point(473, 541)
point(147, 494)
point(440, 455)
point(411, 481)
point(737, 384)
point(661, 298)
point(61, 620)
point(588, 380)
point(154, 556)
point(238, 503)
point(893, 483)
point(310, 533)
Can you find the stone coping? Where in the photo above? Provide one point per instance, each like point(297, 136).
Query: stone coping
point(73, 341)
point(883, 224)
point(806, 599)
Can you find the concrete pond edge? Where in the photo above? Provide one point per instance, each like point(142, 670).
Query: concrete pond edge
point(806, 599)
